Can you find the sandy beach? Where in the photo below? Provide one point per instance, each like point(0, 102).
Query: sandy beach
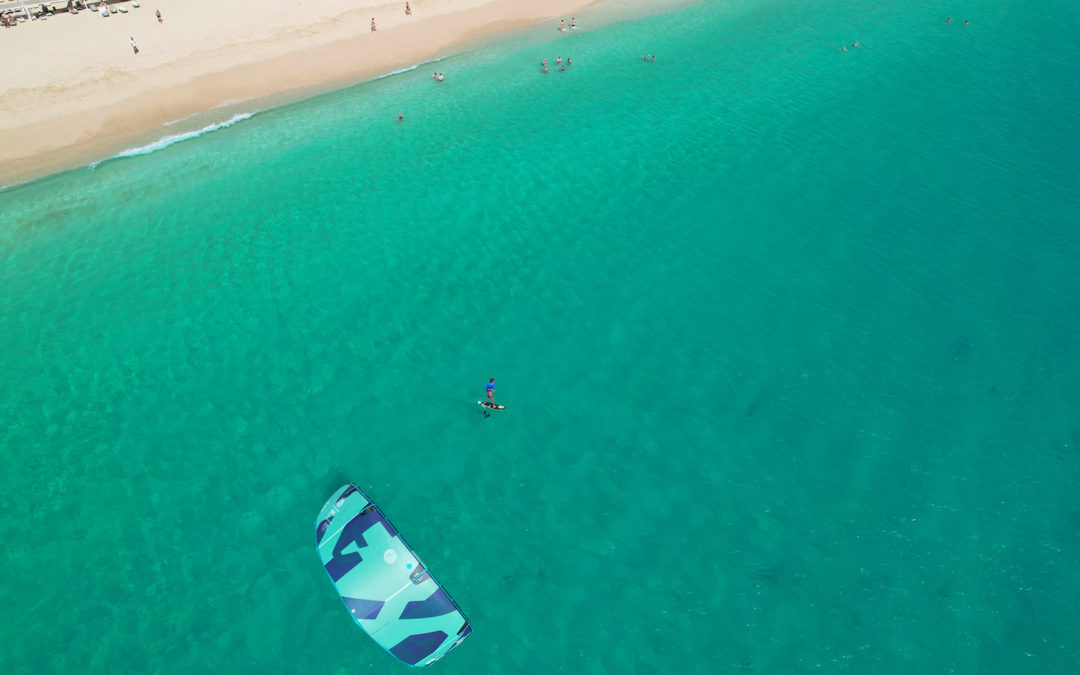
point(80, 91)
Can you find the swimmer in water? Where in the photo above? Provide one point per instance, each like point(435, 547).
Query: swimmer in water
point(855, 45)
point(558, 59)
point(567, 60)
point(844, 48)
point(561, 68)
point(545, 69)
point(966, 22)
point(543, 62)
point(400, 116)
point(948, 19)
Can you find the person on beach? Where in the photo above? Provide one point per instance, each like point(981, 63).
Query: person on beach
point(490, 400)
point(158, 12)
point(408, 10)
point(372, 24)
point(134, 46)
point(562, 24)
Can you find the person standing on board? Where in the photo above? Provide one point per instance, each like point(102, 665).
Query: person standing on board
point(490, 400)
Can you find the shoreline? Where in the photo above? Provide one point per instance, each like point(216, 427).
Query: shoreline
point(66, 119)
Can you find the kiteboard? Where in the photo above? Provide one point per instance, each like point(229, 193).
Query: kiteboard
point(384, 585)
point(493, 406)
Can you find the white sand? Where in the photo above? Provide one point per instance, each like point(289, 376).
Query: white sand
point(72, 89)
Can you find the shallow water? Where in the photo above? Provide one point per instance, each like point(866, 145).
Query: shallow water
point(786, 337)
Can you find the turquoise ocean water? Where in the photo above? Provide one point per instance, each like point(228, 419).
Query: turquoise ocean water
point(786, 336)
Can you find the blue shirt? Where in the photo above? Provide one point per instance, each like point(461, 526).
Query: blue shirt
point(490, 386)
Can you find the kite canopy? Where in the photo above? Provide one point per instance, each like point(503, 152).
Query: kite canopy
point(385, 587)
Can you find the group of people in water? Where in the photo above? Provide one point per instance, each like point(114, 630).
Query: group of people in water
point(558, 62)
point(437, 77)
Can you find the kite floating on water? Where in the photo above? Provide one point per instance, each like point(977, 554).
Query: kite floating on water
point(385, 587)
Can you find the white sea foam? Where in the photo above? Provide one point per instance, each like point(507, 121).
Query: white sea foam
point(166, 141)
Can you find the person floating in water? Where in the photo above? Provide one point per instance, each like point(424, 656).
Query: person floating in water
point(948, 19)
point(490, 399)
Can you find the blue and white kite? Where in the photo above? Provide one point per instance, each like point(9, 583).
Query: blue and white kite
point(385, 587)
